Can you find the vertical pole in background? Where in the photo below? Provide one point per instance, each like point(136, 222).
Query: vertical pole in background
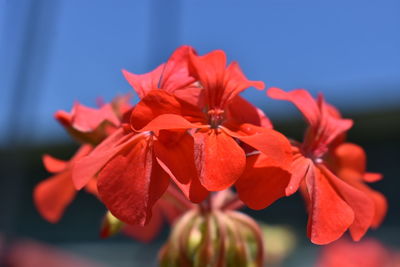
point(29, 55)
point(165, 29)
point(35, 43)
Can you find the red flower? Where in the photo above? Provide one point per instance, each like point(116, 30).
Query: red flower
point(221, 122)
point(192, 141)
point(218, 158)
point(336, 201)
point(88, 125)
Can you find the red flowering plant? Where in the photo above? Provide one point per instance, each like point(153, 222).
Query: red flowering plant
point(177, 153)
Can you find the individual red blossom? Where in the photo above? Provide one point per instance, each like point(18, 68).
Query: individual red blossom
point(88, 125)
point(218, 158)
point(135, 163)
point(336, 201)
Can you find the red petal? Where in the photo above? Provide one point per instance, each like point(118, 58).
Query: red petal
point(177, 155)
point(243, 111)
point(299, 169)
point(350, 156)
point(131, 183)
point(178, 161)
point(235, 82)
point(168, 122)
point(330, 126)
point(350, 163)
point(210, 68)
point(362, 205)
point(83, 151)
point(193, 190)
point(91, 187)
point(302, 100)
point(261, 183)
point(272, 143)
point(53, 195)
point(144, 83)
point(176, 74)
point(53, 165)
point(371, 177)
point(87, 167)
point(219, 159)
point(329, 216)
point(380, 203)
point(221, 84)
point(88, 119)
point(171, 76)
point(381, 207)
point(158, 102)
point(192, 95)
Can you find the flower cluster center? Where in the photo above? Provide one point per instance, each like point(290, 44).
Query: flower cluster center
point(216, 117)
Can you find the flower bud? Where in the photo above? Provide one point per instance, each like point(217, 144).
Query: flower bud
point(213, 238)
point(111, 225)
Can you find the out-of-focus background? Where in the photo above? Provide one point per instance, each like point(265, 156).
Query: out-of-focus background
point(55, 52)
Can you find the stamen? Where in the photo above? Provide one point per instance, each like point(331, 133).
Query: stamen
point(216, 117)
point(318, 160)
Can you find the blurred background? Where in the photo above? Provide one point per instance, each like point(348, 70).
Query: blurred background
point(55, 52)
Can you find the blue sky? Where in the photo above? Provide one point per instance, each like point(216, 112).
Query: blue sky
point(349, 50)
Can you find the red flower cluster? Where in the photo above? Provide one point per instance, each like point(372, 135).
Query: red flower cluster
point(192, 130)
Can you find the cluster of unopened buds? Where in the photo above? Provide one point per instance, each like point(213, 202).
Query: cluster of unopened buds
point(192, 151)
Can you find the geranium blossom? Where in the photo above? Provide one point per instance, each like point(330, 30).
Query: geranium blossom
point(135, 163)
point(332, 182)
point(89, 126)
